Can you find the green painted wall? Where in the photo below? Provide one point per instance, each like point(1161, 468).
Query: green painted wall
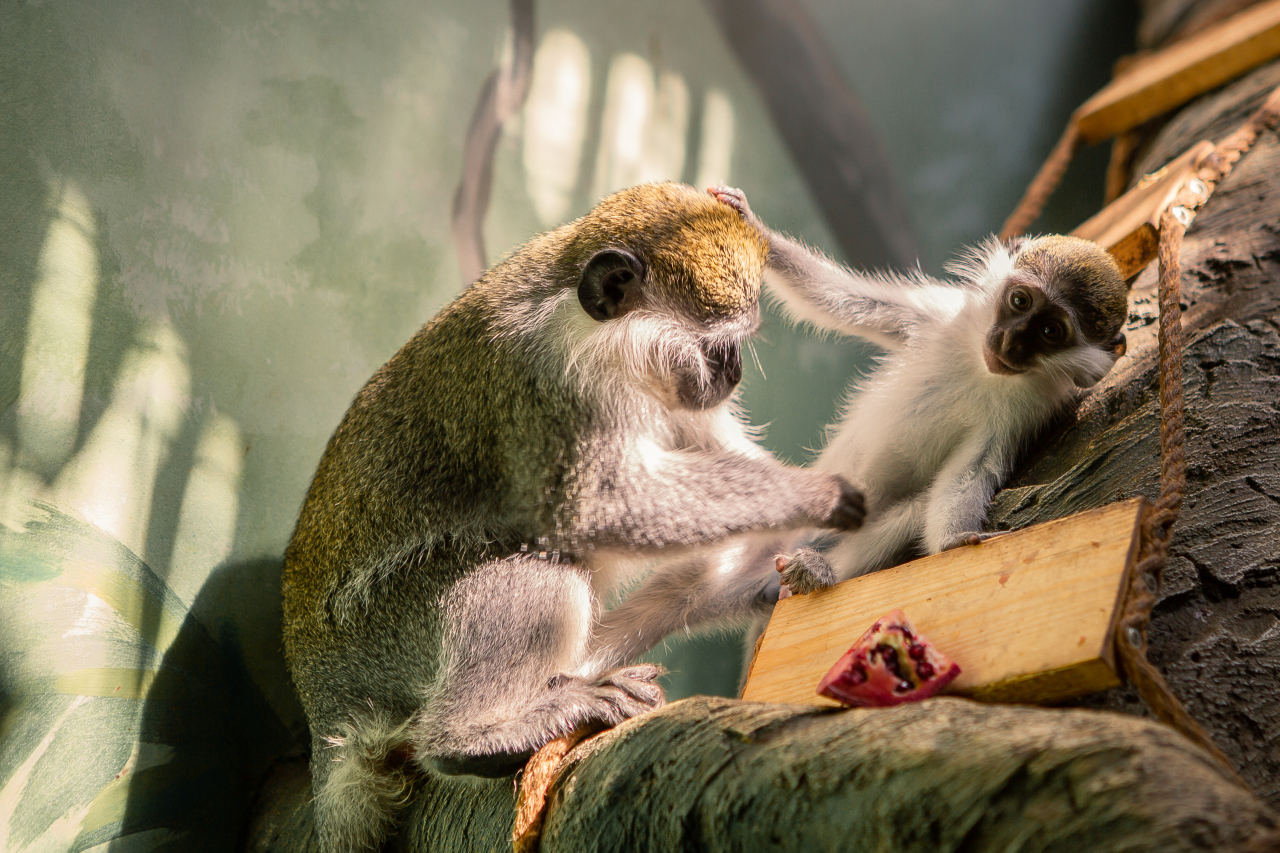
point(218, 217)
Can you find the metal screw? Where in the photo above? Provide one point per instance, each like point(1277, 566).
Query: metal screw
point(1135, 637)
point(1197, 186)
point(1150, 580)
point(1181, 214)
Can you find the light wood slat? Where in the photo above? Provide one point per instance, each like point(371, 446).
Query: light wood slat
point(1027, 615)
point(1156, 84)
point(1129, 226)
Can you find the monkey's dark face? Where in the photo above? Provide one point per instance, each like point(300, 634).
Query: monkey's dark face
point(1060, 311)
point(712, 384)
point(1029, 325)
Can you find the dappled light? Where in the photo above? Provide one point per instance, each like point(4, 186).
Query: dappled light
point(207, 525)
point(53, 364)
point(111, 481)
point(668, 130)
point(555, 123)
point(644, 126)
point(715, 152)
point(627, 106)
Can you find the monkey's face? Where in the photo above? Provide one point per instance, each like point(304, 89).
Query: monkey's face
point(1029, 325)
point(710, 383)
point(670, 281)
point(1059, 311)
point(685, 360)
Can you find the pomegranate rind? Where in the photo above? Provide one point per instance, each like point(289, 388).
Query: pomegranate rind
point(892, 663)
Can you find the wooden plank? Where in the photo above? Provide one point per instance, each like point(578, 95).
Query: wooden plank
point(1155, 84)
point(1029, 616)
point(1129, 226)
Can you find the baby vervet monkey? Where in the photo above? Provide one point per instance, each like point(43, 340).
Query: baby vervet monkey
point(570, 412)
point(975, 366)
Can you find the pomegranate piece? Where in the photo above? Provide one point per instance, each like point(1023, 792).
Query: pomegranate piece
point(891, 664)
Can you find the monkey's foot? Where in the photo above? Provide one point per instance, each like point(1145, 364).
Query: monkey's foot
point(618, 695)
point(805, 571)
point(973, 537)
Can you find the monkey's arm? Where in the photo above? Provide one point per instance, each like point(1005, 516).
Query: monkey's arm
point(957, 500)
point(729, 584)
point(641, 497)
point(883, 308)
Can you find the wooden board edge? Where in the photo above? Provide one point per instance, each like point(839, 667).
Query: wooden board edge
point(1133, 252)
point(755, 656)
point(1049, 686)
point(1108, 651)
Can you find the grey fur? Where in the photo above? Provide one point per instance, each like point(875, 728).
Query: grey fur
point(495, 480)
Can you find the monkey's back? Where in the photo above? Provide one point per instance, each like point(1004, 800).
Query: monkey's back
point(414, 490)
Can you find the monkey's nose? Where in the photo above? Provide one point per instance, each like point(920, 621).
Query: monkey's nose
point(725, 361)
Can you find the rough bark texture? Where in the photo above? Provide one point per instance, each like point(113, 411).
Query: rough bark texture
point(1216, 633)
point(945, 775)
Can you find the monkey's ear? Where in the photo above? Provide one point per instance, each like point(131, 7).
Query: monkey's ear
point(1119, 345)
point(608, 279)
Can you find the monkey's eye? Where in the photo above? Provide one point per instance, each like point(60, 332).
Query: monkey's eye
point(1053, 332)
point(1019, 300)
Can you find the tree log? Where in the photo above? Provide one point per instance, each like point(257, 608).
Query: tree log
point(944, 775)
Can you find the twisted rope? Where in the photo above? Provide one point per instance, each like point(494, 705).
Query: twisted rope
point(1156, 529)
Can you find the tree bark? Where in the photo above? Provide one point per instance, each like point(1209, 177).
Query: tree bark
point(714, 774)
point(1216, 632)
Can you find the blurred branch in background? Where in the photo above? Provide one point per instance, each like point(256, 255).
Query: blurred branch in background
point(824, 126)
point(502, 97)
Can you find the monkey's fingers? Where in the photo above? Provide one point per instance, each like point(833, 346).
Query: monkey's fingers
point(641, 672)
point(735, 198)
point(970, 538)
point(805, 571)
point(628, 692)
point(850, 509)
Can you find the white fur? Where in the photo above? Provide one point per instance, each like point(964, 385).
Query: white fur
point(930, 434)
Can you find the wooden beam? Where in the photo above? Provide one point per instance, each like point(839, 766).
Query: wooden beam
point(1028, 615)
point(1129, 226)
point(1155, 84)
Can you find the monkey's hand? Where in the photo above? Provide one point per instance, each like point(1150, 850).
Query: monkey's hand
point(737, 199)
point(618, 695)
point(972, 537)
point(849, 510)
point(805, 571)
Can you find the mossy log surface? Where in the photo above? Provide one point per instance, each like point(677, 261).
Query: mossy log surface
point(949, 774)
